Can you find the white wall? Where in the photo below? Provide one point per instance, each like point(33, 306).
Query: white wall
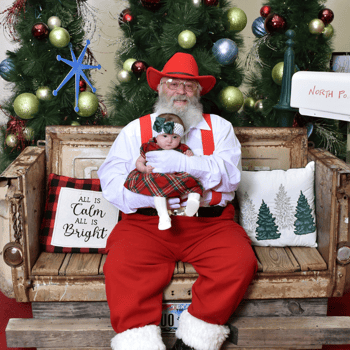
point(107, 35)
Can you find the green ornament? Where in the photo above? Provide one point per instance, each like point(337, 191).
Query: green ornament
point(237, 19)
point(277, 73)
point(128, 63)
point(59, 37)
point(124, 76)
point(316, 26)
point(28, 133)
point(231, 98)
point(87, 104)
point(186, 39)
point(44, 93)
point(328, 31)
point(11, 140)
point(26, 105)
point(249, 103)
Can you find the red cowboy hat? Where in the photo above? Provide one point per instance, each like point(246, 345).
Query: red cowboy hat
point(180, 66)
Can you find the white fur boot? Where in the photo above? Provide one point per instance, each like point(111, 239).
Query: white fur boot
point(162, 210)
point(143, 338)
point(199, 334)
point(193, 202)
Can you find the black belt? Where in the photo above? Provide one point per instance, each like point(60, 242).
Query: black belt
point(208, 212)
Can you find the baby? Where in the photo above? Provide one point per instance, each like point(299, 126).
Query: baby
point(169, 129)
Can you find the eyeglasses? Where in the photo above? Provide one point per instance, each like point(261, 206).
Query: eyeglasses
point(189, 86)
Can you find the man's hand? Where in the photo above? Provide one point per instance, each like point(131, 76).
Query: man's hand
point(167, 161)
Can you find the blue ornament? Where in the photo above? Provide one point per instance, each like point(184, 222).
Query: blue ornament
point(6, 67)
point(258, 27)
point(225, 51)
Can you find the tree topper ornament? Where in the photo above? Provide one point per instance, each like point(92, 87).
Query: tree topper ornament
point(77, 70)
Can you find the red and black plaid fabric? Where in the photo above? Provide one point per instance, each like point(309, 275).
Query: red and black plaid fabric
point(159, 184)
point(56, 182)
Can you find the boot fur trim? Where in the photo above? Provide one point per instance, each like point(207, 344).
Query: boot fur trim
point(143, 338)
point(199, 334)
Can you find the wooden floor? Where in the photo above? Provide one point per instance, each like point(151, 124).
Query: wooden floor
point(270, 259)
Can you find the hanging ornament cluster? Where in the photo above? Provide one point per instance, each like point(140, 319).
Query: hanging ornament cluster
point(18, 134)
point(275, 23)
point(237, 19)
point(321, 25)
point(225, 51)
point(125, 17)
point(152, 5)
point(6, 67)
point(186, 39)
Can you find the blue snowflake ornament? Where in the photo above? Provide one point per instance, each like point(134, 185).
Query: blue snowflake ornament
point(77, 70)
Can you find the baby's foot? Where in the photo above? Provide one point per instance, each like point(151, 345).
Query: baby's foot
point(164, 223)
point(192, 204)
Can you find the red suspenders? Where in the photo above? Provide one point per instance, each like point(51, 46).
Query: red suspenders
point(207, 141)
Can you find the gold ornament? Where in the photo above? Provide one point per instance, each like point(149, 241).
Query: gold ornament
point(26, 105)
point(53, 22)
point(259, 106)
point(11, 140)
point(44, 93)
point(186, 39)
point(124, 76)
point(249, 103)
point(328, 31)
point(237, 19)
point(316, 26)
point(59, 37)
point(128, 63)
point(231, 98)
point(87, 104)
point(28, 133)
point(277, 73)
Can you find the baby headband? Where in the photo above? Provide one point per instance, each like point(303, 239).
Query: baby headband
point(160, 126)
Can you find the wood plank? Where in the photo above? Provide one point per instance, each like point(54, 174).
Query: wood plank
point(180, 267)
point(63, 269)
point(309, 258)
point(48, 264)
point(84, 265)
point(190, 269)
point(103, 260)
point(247, 308)
point(245, 332)
point(274, 259)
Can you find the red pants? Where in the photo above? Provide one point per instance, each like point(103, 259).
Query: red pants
point(141, 262)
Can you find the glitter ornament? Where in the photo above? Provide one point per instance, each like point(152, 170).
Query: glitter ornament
point(125, 17)
point(11, 140)
point(40, 31)
point(186, 39)
point(59, 37)
point(28, 133)
point(328, 31)
point(124, 76)
point(258, 27)
point(316, 26)
point(265, 11)
point(248, 104)
point(225, 51)
point(87, 104)
point(139, 67)
point(211, 2)
point(231, 98)
point(326, 16)
point(152, 5)
point(275, 23)
point(44, 93)
point(53, 22)
point(26, 105)
point(237, 19)
point(128, 63)
point(6, 67)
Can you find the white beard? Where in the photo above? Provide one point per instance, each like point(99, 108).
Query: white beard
point(190, 114)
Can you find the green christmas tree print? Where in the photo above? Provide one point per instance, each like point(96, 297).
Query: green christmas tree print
point(304, 223)
point(267, 229)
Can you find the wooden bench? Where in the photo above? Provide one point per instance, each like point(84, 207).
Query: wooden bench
point(290, 289)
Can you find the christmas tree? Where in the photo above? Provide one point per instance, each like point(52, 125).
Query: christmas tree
point(283, 209)
point(248, 213)
point(312, 46)
point(46, 72)
point(304, 223)
point(155, 30)
point(267, 229)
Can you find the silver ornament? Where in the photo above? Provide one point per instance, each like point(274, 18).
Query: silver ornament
point(316, 26)
point(124, 76)
point(197, 3)
point(44, 93)
point(53, 22)
point(11, 140)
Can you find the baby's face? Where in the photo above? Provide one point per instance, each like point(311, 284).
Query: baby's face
point(168, 141)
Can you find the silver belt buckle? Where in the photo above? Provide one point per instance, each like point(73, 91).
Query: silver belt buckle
point(177, 212)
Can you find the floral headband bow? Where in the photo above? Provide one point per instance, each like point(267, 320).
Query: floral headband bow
point(160, 126)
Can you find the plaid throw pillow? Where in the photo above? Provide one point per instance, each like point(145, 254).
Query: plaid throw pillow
point(55, 185)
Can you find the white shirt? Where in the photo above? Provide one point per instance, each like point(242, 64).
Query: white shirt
point(220, 171)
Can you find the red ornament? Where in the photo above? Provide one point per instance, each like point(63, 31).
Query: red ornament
point(210, 2)
point(40, 31)
point(326, 16)
point(275, 23)
point(138, 67)
point(82, 85)
point(125, 17)
point(265, 11)
point(152, 5)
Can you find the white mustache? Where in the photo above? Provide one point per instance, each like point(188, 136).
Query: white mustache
point(180, 98)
